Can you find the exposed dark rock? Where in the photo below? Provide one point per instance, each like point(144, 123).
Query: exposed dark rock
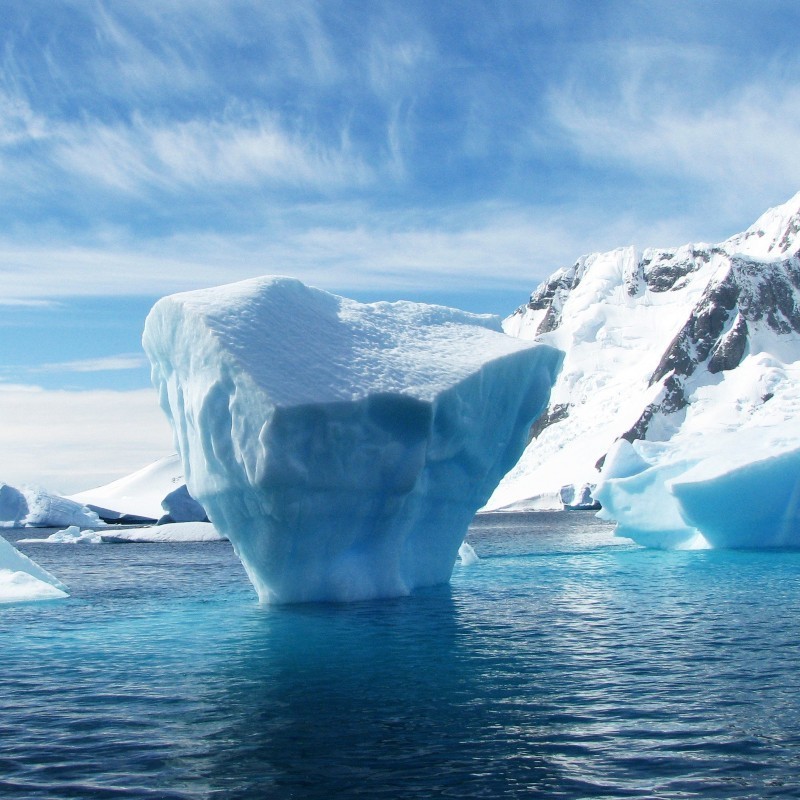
point(672, 398)
point(663, 273)
point(116, 518)
point(553, 414)
point(730, 349)
point(551, 294)
point(770, 292)
point(696, 339)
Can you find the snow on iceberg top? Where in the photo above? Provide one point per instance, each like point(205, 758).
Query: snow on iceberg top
point(302, 345)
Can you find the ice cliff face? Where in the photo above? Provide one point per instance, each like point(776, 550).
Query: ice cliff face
point(691, 354)
point(343, 448)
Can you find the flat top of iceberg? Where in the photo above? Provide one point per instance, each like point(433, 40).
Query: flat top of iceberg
point(304, 345)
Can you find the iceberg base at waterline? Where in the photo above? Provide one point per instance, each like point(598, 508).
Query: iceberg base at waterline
point(342, 447)
point(23, 580)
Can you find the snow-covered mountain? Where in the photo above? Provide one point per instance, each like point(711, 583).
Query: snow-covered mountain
point(665, 345)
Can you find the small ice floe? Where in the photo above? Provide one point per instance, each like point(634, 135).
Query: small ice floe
point(70, 535)
point(467, 555)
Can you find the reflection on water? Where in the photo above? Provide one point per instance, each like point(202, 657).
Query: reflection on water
point(565, 663)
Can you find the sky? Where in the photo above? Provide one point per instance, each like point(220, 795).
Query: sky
point(446, 152)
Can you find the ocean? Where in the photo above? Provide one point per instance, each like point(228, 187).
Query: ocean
point(565, 663)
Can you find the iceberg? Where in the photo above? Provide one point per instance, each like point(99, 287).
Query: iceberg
point(180, 506)
point(23, 580)
point(343, 448)
point(71, 535)
point(35, 508)
point(168, 532)
point(730, 476)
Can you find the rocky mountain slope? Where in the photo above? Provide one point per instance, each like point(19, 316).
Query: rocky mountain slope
point(656, 341)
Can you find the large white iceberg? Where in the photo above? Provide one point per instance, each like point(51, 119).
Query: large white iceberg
point(342, 447)
point(23, 580)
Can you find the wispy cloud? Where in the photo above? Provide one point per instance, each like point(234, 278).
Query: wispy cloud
point(665, 115)
point(246, 151)
point(103, 364)
point(27, 302)
point(345, 248)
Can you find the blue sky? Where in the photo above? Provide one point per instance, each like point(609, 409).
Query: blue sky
point(452, 152)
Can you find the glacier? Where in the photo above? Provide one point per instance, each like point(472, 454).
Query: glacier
point(23, 580)
point(342, 447)
point(680, 387)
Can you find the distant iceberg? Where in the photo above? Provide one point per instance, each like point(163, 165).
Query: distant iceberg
point(147, 495)
point(342, 447)
point(35, 508)
point(23, 580)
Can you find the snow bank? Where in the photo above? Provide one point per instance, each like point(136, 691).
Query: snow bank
point(35, 508)
point(343, 448)
point(23, 580)
point(171, 532)
point(139, 494)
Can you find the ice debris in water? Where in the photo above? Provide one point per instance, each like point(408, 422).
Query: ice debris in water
point(342, 447)
point(70, 535)
point(467, 554)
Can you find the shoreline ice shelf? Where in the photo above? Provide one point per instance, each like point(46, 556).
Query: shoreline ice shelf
point(342, 447)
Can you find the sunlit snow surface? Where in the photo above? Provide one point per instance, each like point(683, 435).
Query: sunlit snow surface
point(140, 493)
point(342, 447)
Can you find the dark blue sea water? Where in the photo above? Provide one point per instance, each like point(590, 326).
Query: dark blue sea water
point(565, 664)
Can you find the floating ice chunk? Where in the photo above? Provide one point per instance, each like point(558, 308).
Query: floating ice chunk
point(13, 506)
point(633, 493)
point(343, 448)
point(71, 535)
point(467, 554)
point(170, 532)
point(755, 505)
point(23, 580)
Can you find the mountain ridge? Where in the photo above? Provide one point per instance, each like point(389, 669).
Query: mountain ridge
point(642, 332)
